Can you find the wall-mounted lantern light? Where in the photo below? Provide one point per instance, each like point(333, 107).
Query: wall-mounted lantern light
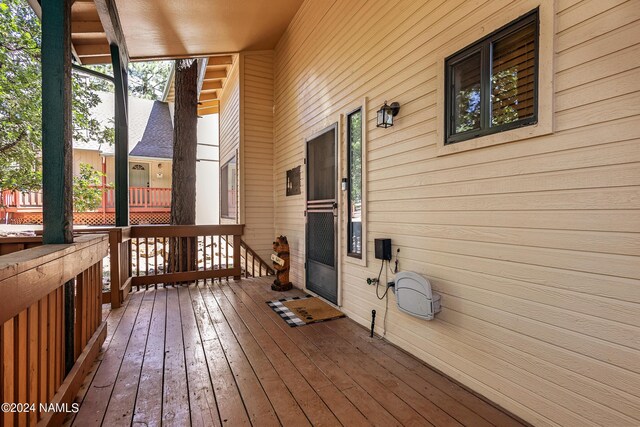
point(345, 184)
point(386, 113)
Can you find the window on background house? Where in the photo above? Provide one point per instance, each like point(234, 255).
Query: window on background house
point(492, 85)
point(228, 189)
point(354, 165)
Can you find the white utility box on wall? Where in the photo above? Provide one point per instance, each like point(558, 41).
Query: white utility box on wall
point(414, 295)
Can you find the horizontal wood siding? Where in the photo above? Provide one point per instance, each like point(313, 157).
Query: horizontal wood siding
point(532, 244)
point(230, 121)
point(257, 147)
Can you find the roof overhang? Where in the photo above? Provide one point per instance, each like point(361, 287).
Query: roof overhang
point(212, 30)
point(174, 29)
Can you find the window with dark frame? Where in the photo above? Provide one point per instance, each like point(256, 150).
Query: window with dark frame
point(354, 191)
point(492, 85)
point(228, 187)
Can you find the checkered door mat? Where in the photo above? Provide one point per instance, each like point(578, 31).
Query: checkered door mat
point(284, 311)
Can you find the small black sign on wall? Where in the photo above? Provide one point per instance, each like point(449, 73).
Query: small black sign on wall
point(293, 181)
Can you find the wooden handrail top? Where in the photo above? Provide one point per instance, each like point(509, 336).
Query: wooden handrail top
point(17, 262)
point(21, 239)
point(140, 231)
point(30, 274)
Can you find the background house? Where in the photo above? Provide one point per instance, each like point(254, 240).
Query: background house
point(150, 168)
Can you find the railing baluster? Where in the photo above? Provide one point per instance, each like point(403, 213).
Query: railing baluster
point(226, 252)
point(219, 256)
point(189, 254)
point(155, 255)
point(204, 254)
point(146, 253)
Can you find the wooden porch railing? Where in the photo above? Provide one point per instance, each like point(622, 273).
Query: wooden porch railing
point(140, 255)
point(182, 253)
point(141, 199)
point(253, 262)
point(9, 245)
point(32, 326)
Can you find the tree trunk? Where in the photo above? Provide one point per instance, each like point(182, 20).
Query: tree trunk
point(183, 256)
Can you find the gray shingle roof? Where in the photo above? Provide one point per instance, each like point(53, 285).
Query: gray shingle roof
point(157, 140)
point(150, 124)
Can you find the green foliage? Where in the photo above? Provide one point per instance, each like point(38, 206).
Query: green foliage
point(146, 79)
point(87, 191)
point(21, 99)
point(504, 101)
point(355, 157)
point(504, 96)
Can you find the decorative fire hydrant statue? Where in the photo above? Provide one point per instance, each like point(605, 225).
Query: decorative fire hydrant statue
point(281, 264)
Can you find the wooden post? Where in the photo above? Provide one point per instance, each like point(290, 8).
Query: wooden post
point(104, 191)
point(57, 203)
point(237, 242)
point(56, 122)
point(115, 238)
point(122, 137)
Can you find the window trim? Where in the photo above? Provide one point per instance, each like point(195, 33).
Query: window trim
point(344, 168)
point(348, 195)
point(484, 47)
point(226, 165)
point(469, 34)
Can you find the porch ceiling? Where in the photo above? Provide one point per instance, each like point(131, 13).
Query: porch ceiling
point(213, 82)
point(172, 29)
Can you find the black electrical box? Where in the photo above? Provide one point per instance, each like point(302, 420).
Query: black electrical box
point(383, 249)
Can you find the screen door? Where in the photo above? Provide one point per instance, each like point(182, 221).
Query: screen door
point(322, 210)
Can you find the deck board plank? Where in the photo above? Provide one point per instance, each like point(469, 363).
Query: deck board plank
point(204, 409)
point(95, 403)
point(352, 362)
point(394, 384)
point(458, 402)
point(148, 403)
point(343, 409)
point(216, 354)
point(282, 400)
point(255, 398)
point(230, 405)
point(175, 396)
point(121, 405)
point(357, 395)
point(292, 375)
point(112, 317)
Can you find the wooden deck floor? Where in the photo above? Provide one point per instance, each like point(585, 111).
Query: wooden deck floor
point(216, 354)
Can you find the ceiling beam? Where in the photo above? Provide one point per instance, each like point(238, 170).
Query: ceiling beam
point(208, 96)
point(207, 104)
point(207, 112)
point(86, 27)
point(111, 23)
point(215, 74)
point(92, 60)
point(84, 50)
point(219, 60)
point(208, 85)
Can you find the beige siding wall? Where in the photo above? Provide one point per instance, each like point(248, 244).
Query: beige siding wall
point(257, 151)
point(86, 156)
point(230, 121)
point(532, 244)
point(95, 160)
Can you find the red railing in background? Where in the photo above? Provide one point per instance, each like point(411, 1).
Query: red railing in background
point(141, 199)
